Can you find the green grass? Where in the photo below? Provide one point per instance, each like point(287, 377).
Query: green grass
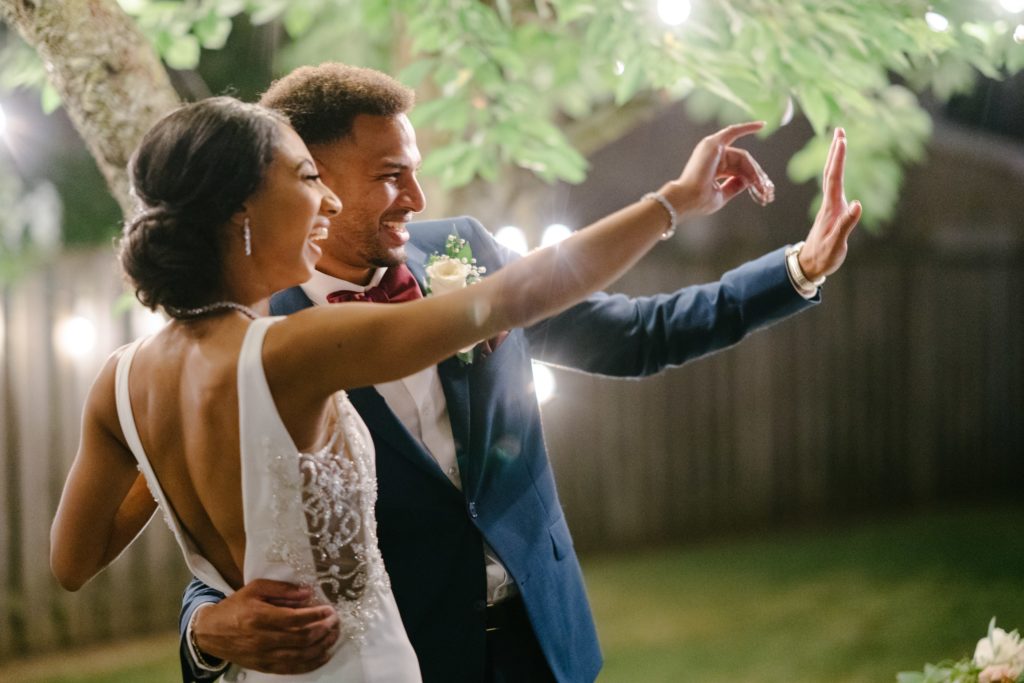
point(844, 605)
point(852, 605)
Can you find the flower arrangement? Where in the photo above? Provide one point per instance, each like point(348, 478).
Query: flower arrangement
point(454, 269)
point(998, 658)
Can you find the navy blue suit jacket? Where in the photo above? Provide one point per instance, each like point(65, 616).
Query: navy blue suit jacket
point(431, 534)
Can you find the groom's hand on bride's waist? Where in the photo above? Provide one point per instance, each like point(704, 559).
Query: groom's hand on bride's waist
point(263, 626)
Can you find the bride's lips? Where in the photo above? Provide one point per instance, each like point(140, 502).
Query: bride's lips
point(395, 232)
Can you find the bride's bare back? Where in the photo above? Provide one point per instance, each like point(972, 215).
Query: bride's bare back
point(184, 395)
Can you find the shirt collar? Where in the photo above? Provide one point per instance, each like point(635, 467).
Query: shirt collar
point(321, 284)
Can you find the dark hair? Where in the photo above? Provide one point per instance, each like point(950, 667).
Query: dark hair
point(322, 101)
point(193, 169)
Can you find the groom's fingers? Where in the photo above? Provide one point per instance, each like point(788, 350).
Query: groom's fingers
point(298, 628)
point(278, 592)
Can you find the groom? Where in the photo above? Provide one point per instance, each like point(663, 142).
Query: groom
point(472, 533)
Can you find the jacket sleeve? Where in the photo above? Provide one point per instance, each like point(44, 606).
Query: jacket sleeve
point(196, 594)
point(620, 336)
point(615, 335)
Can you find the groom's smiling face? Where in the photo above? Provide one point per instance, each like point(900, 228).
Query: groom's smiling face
point(373, 171)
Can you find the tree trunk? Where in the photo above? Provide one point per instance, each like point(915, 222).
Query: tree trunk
point(112, 84)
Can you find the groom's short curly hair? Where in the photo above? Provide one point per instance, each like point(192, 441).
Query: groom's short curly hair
point(322, 101)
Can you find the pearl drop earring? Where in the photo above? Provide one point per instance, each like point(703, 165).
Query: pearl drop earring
point(247, 233)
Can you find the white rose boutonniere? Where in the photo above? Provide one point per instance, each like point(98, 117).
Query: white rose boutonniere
point(452, 270)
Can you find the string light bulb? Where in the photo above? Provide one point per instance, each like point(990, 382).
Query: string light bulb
point(76, 336)
point(674, 12)
point(554, 233)
point(936, 22)
point(512, 238)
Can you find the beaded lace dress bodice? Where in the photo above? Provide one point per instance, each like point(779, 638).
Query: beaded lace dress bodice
point(309, 520)
point(337, 490)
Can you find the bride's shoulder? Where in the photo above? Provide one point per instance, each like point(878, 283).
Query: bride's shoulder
point(101, 402)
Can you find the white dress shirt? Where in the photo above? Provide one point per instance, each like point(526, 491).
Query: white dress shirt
point(419, 404)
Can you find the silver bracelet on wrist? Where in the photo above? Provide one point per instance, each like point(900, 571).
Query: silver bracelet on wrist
point(673, 217)
point(800, 279)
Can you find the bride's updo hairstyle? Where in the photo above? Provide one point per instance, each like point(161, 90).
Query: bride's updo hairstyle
point(192, 171)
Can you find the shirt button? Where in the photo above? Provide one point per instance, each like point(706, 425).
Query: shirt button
point(472, 510)
point(451, 470)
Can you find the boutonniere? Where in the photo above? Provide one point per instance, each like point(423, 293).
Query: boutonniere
point(454, 269)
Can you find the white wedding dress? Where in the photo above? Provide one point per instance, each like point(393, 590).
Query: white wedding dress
point(309, 520)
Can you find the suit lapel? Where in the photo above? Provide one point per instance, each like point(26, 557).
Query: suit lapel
point(385, 427)
point(417, 262)
point(455, 384)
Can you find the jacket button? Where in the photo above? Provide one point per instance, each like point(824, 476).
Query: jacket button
point(472, 509)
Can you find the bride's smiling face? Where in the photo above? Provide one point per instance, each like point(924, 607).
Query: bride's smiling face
point(289, 213)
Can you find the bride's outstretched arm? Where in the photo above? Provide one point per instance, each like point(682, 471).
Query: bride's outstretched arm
point(326, 348)
point(105, 502)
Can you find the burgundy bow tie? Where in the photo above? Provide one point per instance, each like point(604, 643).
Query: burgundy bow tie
point(397, 285)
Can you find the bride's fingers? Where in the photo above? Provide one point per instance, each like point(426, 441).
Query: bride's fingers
point(740, 163)
point(731, 134)
point(732, 187)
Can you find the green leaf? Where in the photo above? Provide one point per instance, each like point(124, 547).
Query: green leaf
point(414, 73)
point(298, 19)
point(815, 107)
point(910, 677)
point(630, 81)
point(213, 31)
point(426, 113)
point(49, 99)
point(264, 11)
point(228, 8)
point(182, 53)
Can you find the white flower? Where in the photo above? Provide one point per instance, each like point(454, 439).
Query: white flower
point(999, 648)
point(447, 274)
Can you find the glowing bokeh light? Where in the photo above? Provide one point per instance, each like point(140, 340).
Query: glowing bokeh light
point(1018, 34)
point(554, 233)
point(146, 322)
point(512, 238)
point(1012, 6)
point(544, 384)
point(936, 22)
point(76, 336)
point(674, 12)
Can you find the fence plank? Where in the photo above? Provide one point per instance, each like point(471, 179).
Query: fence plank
point(8, 494)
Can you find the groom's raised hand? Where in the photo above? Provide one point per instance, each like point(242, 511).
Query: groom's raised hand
point(824, 248)
point(265, 626)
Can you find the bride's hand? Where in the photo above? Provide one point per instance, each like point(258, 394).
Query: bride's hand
point(716, 172)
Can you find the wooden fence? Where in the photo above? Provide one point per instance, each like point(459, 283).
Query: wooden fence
point(905, 386)
point(42, 390)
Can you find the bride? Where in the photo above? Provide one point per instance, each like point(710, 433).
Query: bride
point(239, 422)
